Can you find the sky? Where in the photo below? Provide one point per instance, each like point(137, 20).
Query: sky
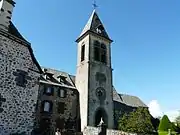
point(145, 51)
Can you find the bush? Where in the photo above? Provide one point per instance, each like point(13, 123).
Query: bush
point(138, 121)
point(165, 124)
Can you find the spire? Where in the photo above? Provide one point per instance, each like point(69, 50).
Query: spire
point(95, 26)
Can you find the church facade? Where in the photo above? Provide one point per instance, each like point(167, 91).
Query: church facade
point(40, 99)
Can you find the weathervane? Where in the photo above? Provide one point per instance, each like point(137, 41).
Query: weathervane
point(94, 4)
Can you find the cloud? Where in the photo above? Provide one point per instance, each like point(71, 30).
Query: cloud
point(172, 115)
point(156, 111)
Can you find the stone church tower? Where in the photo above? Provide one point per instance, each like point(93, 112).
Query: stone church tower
point(94, 74)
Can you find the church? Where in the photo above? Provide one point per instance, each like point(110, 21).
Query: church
point(36, 99)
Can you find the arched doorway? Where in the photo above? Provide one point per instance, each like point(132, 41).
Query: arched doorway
point(100, 113)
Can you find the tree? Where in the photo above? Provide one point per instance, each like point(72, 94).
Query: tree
point(166, 124)
point(178, 119)
point(138, 121)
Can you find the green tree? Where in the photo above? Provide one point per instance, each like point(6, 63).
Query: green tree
point(138, 121)
point(166, 124)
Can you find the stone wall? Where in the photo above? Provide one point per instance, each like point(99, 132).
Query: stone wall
point(18, 86)
point(95, 131)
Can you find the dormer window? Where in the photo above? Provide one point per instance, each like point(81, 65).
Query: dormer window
point(62, 79)
point(48, 90)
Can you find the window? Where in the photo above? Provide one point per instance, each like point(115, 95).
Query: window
point(61, 93)
point(21, 80)
point(46, 107)
point(97, 51)
point(9, 12)
point(48, 90)
point(82, 52)
point(100, 52)
point(21, 77)
point(61, 107)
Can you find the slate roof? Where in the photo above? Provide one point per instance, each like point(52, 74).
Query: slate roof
point(93, 23)
point(13, 30)
point(128, 100)
point(53, 78)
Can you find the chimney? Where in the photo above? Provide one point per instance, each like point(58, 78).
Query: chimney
point(6, 9)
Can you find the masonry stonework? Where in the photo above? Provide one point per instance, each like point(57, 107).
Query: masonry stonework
point(17, 114)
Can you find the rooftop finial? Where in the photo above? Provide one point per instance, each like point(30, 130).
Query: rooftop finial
point(94, 4)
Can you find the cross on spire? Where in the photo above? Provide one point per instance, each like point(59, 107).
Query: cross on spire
point(94, 4)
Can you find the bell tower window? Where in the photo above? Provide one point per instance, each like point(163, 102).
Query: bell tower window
point(100, 52)
point(103, 53)
point(82, 53)
point(96, 51)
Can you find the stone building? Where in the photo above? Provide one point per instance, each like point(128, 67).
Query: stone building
point(19, 76)
point(58, 104)
point(43, 99)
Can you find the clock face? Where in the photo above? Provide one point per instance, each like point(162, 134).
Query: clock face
point(1, 4)
point(101, 93)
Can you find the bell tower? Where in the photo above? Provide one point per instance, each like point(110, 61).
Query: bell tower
point(94, 74)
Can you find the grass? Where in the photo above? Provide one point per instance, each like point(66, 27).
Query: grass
point(166, 133)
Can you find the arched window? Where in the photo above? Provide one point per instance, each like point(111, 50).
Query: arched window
point(100, 52)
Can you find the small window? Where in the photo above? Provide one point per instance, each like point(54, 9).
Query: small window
point(82, 52)
point(47, 106)
point(9, 12)
point(62, 93)
point(61, 107)
point(8, 17)
point(48, 90)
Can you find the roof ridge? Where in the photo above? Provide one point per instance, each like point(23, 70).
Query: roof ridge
point(56, 70)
